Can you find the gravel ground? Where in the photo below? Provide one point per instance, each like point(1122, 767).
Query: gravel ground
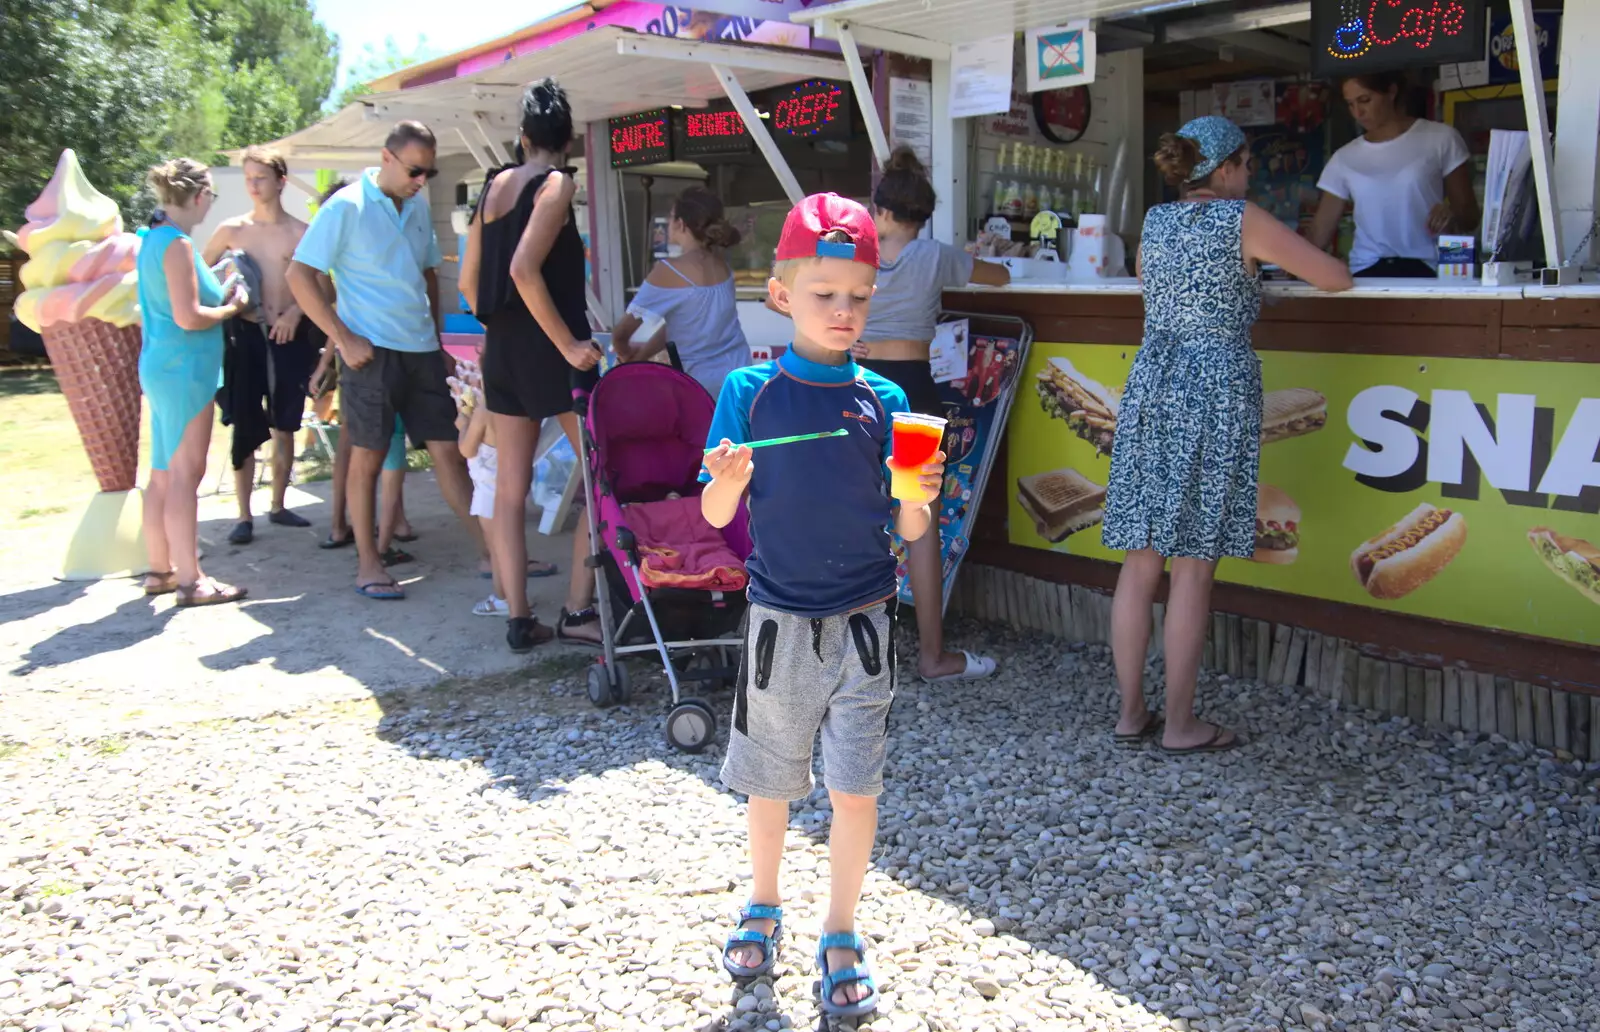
point(495, 854)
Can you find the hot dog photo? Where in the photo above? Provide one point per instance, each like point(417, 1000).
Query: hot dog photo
point(1409, 553)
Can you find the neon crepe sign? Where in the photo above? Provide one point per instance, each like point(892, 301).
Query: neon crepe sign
point(1368, 35)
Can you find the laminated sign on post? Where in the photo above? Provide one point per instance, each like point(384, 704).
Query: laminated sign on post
point(1060, 55)
point(1352, 37)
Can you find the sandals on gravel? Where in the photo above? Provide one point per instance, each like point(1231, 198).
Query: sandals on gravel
point(394, 556)
point(743, 936)
point(976, 669)
point(216, 593)
point(1152, 724)
point(857, 974)
point(160, 583)
point(578, 619)
point(1214, 744)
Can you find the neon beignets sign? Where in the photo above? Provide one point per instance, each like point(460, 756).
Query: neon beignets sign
point(1356, 36)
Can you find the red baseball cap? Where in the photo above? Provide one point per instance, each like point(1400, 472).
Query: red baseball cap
point(820, 214)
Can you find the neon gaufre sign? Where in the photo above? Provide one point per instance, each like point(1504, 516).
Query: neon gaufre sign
point(1404, 441)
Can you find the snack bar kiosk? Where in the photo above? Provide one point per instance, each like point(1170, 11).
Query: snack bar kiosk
point(1474, 395)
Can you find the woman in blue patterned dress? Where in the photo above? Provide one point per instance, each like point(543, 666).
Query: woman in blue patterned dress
point(1187, 445)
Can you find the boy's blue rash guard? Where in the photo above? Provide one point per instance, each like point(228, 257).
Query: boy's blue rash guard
point(819, 510)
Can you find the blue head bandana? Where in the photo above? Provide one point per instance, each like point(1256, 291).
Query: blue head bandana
point(1218, 139)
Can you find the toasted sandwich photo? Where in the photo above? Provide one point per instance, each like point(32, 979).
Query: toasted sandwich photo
point(1291, 413)
point(1083, 404)
point(1061, 502)
point(1572, 559)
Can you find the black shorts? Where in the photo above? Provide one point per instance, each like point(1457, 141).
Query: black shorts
point(915, 377)
point(408, 385)
point(283, 370)
point(524, 374)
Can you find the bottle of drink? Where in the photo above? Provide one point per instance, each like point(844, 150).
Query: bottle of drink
point(1030, 183)
point(997, 202)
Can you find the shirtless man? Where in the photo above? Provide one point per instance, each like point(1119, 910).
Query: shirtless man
point(275, 348)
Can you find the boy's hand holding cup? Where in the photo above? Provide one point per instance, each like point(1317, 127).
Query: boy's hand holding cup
point(916, 460)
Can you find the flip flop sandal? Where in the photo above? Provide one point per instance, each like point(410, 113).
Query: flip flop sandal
point(743, 936)
point(397, 557)
point(220, 593)
point(1214, 744)
point(332, 542)
point(384, 590)
point(578, 619)
point(166, 586)
point(858, 974)
point(1152, 724)
point(406, 539)
point(549, 569)
point(977, 668)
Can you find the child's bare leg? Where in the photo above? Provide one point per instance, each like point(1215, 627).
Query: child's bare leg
point(487, 523)
point(769, 821)
point(855, 828)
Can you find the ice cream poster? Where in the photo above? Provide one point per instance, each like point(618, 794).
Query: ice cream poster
point(1464, 490)
point(975, 404)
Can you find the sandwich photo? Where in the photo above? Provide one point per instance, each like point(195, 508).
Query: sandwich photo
point(1410, 553)
point(1291, 413)
point(1572, 559)
point(1277, 526)
point(1061, 502)
point(1083, 404)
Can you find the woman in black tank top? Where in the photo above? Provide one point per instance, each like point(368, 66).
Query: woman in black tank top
point(523, 276)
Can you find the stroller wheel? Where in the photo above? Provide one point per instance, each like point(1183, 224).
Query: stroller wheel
point(690, 726)
point(600, 692)
point(621, 690)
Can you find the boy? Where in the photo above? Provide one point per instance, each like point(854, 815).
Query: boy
point(820, 647)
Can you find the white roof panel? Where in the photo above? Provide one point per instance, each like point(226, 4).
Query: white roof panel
point(959, 21)
point(607, 72)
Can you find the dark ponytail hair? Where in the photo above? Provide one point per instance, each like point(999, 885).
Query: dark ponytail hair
point(903, 190)
point(701, 214)
point(546, 115)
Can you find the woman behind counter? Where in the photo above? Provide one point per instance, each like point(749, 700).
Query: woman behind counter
point(180, 368)
point(1187, 447)
point(693, 294)
point(1410, 180)
point(913, 272)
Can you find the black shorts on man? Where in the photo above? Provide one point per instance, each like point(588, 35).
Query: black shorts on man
point(405, 385)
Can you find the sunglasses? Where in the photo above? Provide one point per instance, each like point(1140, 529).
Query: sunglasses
point(416, 171)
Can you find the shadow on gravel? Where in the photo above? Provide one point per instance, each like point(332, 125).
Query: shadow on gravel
point(1334, 873)
point(24, 605)
point(80, 641)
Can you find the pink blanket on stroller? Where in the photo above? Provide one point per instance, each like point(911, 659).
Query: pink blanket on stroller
point(679, 549)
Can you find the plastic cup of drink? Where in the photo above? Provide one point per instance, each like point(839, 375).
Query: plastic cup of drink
point(914, 440)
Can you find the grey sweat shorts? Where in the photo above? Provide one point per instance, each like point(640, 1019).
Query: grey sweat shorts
point(800, 675)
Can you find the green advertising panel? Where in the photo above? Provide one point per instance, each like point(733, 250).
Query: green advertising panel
point(1464, 490)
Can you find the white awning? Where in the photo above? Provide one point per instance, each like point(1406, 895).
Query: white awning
point(607, 72)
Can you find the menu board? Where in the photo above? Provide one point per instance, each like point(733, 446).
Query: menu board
point(818, 109)
point(711, 132)
point(1352, 37)
point(642, 139)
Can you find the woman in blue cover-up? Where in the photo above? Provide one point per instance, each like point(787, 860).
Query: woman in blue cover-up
point(1187, 445)
point(180, 367)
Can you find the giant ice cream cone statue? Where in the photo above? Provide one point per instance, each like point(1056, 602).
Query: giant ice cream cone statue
point(81, 295)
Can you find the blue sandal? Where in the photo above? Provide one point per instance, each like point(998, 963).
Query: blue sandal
point(743, 936)
point(832, 981)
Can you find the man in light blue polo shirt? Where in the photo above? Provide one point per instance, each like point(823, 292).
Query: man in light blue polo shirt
point(375, 239)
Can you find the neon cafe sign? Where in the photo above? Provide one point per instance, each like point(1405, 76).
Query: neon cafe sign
point(1367, 34)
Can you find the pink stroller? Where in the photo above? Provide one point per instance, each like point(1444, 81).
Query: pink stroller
point(666, 581)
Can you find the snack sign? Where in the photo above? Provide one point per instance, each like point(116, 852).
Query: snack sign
point(1464, 490)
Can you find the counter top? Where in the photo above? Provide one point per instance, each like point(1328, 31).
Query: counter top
point(1428, 289)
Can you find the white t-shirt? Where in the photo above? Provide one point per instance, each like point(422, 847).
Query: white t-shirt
point(1394, 184)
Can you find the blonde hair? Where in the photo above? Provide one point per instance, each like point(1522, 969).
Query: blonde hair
point(785, 270)
point(178, 181)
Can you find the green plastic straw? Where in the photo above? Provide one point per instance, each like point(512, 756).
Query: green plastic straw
point(841, 432)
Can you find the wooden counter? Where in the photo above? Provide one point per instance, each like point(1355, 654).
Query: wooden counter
point(1453, 322)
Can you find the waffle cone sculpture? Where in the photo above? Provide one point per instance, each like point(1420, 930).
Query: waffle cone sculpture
point(82, 296)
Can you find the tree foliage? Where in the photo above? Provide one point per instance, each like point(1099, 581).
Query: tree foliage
point(376, 62)
point(126, 83)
